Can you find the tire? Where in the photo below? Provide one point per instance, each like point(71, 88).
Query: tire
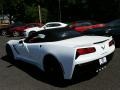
point(31, 32)
point(3, 32)
point(9, 52)
point(53, 68)
point(15, 34)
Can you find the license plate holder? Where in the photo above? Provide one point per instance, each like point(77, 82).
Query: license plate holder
point(102, 60)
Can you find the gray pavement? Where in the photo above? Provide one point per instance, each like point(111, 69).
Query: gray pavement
point(22, 76)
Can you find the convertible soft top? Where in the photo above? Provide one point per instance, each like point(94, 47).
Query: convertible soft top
point(58, 34)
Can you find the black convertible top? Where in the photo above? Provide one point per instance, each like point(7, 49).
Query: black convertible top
point(56, 34)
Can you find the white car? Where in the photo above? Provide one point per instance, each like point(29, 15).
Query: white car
point(59, 51)
point(49, 25)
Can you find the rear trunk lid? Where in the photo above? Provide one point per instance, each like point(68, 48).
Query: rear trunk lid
point(83, 41)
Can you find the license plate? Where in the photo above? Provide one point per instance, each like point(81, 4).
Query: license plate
point(102, 60)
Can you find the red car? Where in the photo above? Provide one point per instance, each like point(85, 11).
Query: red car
point(82, 26)
point(17, 31)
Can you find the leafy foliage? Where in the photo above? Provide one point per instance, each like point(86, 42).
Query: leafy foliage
point(27, 10)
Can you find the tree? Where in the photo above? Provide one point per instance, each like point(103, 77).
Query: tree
point(67, 10)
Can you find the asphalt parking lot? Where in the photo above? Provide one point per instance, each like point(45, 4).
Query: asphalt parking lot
point(22, 76)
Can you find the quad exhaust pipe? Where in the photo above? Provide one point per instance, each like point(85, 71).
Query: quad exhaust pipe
point(100, 69)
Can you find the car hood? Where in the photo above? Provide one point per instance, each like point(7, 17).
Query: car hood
point(82, 41)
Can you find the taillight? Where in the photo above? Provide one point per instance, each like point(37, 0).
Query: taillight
point(82, 51)
point(111, 43)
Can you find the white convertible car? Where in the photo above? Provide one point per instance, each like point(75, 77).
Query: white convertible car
point(59, 51)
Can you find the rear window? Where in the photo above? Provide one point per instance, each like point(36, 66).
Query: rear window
point(53, 25)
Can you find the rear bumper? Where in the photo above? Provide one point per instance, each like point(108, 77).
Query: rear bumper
point(92, 66)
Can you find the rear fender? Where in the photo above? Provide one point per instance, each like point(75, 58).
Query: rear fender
point(65, 56)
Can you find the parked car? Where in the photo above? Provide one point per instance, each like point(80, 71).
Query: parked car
point(84, 25)
point(19, 30)
point(111, 29)
point(6, 30)
point(60, 50)
point(49, 25)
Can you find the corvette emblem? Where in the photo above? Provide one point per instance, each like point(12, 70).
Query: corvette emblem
point(103, 47)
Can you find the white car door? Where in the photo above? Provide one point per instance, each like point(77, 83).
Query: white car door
point(35, 52)
point(33, 48)
point(30, 52)
point(22, 50)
